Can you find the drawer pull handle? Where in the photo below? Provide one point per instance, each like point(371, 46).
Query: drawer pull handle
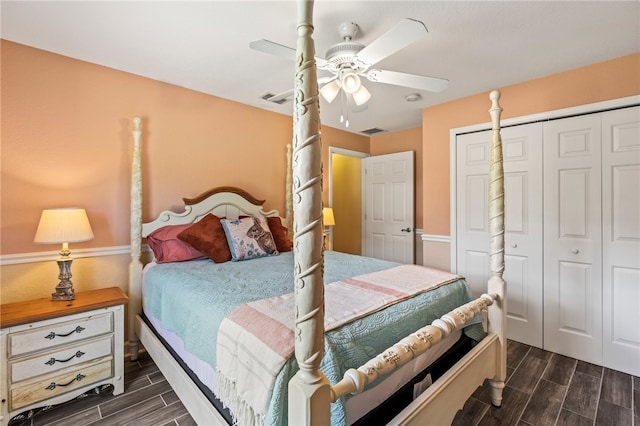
point(76, 355)
point(53, 335)
point(54, 385)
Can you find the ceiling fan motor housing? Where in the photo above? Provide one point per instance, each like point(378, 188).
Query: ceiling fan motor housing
point(342, 54)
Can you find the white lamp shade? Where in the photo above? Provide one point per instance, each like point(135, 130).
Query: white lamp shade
point(330, 91)
point(361, 96)
point(66, 225)
point(350, 82)
point(327, 216)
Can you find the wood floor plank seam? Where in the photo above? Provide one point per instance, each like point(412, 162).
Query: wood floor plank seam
point(573, 372)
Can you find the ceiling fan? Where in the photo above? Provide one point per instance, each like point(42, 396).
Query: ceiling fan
point(348, 60)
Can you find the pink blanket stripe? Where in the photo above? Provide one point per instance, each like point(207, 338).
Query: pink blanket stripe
point(370, 286)
point(269, 331)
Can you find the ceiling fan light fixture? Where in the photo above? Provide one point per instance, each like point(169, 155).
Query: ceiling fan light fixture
point(350, 81)
point(330, 91)
point(361, 96)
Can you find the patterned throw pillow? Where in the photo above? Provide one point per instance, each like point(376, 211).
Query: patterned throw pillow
point(249, 238)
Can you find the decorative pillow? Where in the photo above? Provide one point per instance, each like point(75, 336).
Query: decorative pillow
point(280, 234)
point(167, 247)
point(249, 237)
point(207, 236)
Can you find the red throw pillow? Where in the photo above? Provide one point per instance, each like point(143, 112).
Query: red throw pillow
point(167, 247)
point(280, 234)
point(207, 236)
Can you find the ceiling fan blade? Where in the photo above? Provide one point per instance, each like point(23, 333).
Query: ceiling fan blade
point(273, 48)
point(288, 93)
point(280, 96)
point(397, 38)
point(420, 82)
point(328, 79)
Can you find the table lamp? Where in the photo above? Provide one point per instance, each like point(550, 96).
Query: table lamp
point(329, 220)
point(65, 225)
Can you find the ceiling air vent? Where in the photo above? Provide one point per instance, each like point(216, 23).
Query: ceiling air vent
point(372, 131)
point(269, 96)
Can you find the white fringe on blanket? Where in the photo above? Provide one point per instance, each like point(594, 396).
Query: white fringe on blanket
point(241, 412)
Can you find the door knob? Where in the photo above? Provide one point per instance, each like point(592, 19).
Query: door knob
point(575, 251)
point(406, 230)
point(514, 245)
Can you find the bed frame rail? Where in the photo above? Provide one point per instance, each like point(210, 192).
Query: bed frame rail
point(417, 343)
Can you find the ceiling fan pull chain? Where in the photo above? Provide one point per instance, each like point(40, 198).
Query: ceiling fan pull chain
point(341, 106)
point(345, 108)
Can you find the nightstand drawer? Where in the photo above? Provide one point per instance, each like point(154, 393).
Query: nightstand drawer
point(42, 338)
point(53, 385)
point(52, 361)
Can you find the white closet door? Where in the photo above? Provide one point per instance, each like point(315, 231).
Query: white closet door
point(522, 153)
point(572, 238)
point(621, 239)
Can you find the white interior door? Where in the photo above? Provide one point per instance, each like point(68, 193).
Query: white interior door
point(389, 206)
point(522, 154)
point(621, 239)
point(572, 238)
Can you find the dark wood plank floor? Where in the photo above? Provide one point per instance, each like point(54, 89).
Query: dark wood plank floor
point(543, 388)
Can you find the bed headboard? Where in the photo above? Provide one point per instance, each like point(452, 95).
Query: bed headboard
point(223, 201)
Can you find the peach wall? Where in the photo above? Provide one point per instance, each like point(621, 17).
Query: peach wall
point(603, 81)
point(66, 140)
point(406, 140)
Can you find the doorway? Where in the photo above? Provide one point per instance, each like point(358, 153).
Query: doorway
point(345, 197)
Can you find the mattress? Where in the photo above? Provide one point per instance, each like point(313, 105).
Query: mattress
point(274, 276)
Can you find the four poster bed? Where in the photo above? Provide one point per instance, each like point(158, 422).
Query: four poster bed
point(228, 330)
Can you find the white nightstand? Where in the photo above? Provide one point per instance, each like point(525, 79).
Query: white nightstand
point(53, 351)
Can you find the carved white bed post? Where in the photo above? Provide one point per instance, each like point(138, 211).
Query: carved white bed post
point(135, 267)
point(289, 194)
point(309, 390)
point(497, 312)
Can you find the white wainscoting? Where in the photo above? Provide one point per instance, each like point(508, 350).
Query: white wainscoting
point(436, 251)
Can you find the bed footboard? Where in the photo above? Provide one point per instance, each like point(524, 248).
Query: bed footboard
point(440, 402)
point(405, 350)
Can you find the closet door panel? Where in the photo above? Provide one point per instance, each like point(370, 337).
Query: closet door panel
point(522, 153)
point(572, 238)
point(472, 219)
point(575, 295)
point(621, 239)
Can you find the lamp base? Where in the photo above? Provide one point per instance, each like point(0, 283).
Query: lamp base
point(63, 292)
point(64, 289)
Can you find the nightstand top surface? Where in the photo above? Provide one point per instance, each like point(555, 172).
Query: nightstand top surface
point(18, 313)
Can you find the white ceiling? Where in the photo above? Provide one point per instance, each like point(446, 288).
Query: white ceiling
point(204, 45)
